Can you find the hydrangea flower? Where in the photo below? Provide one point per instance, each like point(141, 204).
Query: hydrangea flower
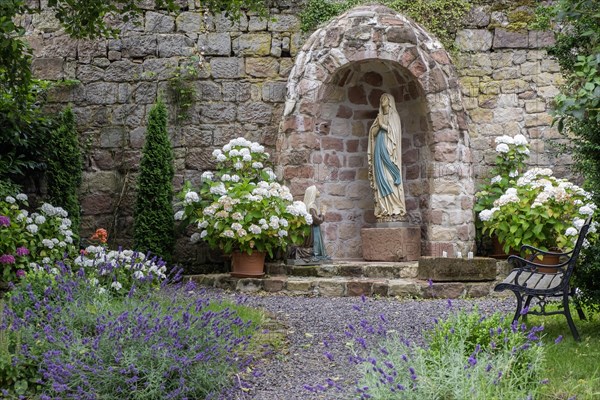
point(4, 220)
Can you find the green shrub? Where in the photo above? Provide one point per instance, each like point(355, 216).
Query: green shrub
point(153, 213)
point(64, 167)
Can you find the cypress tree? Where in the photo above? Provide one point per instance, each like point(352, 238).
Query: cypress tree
point(153, 213)
point(65, 167)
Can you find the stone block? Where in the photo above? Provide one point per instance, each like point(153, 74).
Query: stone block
point(444, 269)
point(538, 39)
point(359, 288)
point(380, 289)
point(123, 71)
point(218, 112)
point(274, 91)
point(188, 22)
point(252, 44)
point(299, 285)
point(215, 44)
point(262, 67)
point(249, 285)
point(255, 112)
point(284, 23)
point(479, 289)
point(505, 39)
point(391, 244)
point(227, 68)
point(159, 22)
point(349, 270)
point(403, 288)
point(474, 39)
point(48, 68)
point(442, 290)
point(175, 45)
point(274, 284)
point(236, 91)
point(331, 287)
point(478, 16)
point(139, 46)
point(159, 68)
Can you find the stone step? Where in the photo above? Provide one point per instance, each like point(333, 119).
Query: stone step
point(340, 286)
point(387, 270)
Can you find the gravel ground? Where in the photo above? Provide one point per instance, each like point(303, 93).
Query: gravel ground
point(311, 323)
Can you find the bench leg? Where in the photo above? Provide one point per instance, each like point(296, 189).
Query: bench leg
point(526, 307)
point(519, 305)
point(569, 318)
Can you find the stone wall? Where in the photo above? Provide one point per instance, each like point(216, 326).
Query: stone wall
point(505, 76)
point(508, 82)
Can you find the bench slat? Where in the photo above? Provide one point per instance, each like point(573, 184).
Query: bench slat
point(548, 281)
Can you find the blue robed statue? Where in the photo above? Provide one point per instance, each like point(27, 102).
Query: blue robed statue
point(385, 162)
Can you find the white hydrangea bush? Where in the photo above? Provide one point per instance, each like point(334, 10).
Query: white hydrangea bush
point(539, 210)
point(241, 206)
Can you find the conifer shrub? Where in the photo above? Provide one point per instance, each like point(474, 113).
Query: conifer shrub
point(153, 213)
point(65, 167)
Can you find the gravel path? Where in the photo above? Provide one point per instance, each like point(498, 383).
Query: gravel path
point(316, 326)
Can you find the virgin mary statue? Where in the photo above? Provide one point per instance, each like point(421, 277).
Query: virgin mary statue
point(385, 162)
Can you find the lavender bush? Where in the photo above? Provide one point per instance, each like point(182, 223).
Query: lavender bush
point(468, 356)
point(71, 342)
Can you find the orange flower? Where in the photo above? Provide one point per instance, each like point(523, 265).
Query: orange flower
point(100, 235)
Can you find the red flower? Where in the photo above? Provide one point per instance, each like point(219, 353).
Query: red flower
point(100, 235)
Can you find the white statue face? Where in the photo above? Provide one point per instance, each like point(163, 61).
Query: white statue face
point(385, 103)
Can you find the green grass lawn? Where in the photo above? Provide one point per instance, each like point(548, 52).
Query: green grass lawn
point(573, 368)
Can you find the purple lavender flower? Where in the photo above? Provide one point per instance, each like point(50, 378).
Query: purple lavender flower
point(7, 259)
point(22, 251)
point(4, 220)
point(20, 273)
point(558, 339)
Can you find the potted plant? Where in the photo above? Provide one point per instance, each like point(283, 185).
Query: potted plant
point(539, 210)
point(511, 153)
point(242, 209)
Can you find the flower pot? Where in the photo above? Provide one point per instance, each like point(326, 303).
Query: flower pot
point(498, 250)
point(548, 259)
point(244, 265)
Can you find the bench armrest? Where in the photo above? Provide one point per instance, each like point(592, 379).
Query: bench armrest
point(529, 265)
point(537, 251)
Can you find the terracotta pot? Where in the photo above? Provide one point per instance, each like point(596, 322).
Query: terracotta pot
point(548, 260)
point(498, 250)
point(244, 265)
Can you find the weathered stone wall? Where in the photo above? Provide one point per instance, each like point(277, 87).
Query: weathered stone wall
point(506, 78)
point(508, 82)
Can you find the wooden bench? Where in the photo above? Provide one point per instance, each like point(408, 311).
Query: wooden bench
point(529, 280)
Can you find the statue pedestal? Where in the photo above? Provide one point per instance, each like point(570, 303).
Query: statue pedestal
point(401, 242)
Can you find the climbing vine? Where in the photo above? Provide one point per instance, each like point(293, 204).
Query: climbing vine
point(441, 17)
point(181, 90)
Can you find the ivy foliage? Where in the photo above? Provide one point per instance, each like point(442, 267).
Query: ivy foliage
point(65, 167)
point(577, 109)
point(441, 17)
point(153, 214)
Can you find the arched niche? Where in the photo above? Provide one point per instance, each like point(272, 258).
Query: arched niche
point(333, 97)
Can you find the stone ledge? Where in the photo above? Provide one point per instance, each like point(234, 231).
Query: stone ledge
point(442, 269)
point(347, 286)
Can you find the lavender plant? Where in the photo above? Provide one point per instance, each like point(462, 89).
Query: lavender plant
point(153, 346)
point(469, 356)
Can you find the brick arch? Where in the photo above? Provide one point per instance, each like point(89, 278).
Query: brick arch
point(333, 97)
